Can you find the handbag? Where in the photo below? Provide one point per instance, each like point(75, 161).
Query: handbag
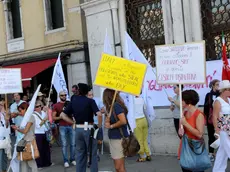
point(30, 151)
point(48, 133)
point(194, 155)
point(129, 144)
point(21, 145)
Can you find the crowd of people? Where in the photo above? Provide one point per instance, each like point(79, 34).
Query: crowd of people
point(75, 121)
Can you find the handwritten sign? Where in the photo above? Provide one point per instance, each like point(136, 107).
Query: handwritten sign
point(10, 80)
point(181, 64)
point(120, 74)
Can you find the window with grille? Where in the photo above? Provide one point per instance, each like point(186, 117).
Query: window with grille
point(145, 25)
point(216, 19)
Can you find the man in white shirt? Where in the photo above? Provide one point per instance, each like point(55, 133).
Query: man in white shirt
point(14, 109)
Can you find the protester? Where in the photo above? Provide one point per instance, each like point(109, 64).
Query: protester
point(67, 132)
point(4, 134)
point(29, 136)
point(221, 120)
point(175, 106)
point(115, 138)
point(40, 99)
point(208, 111)
point(43, 145)
point(141, 130)
point(75, 90)
point(14, 109)
point(100, 105)
point(83, 110)
point(25, 98)
point(193, 119)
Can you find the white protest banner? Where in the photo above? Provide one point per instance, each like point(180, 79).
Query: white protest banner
point(181, 64)
point(10, 80)
point(213, 71)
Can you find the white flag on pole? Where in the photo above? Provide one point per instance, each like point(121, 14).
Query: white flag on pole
point(58, 78)
point(14, 163)
point(135, 54)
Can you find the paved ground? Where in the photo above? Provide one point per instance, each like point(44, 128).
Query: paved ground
point(158, 164)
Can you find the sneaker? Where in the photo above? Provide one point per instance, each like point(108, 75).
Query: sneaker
point(74, 163)
point(66, 165)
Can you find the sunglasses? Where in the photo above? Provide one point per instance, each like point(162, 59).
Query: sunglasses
point(174, 87)
point(38, 106)
point(64, 95)
point(228, 89)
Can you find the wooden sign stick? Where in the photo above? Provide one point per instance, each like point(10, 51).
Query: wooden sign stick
point(111, 107)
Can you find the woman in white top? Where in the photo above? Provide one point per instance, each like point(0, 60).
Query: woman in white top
point(141, 130)
point(221, 122)
point(42, 143)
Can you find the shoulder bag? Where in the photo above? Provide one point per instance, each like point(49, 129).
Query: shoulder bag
point(48, 133)
point(27, 150)
point(194, 156)
point(130, 144)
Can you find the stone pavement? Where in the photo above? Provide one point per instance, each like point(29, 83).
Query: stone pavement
point(158, 164)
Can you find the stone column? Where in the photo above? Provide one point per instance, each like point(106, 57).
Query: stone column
point(101, 15)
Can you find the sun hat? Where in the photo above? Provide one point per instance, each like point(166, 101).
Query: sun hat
point(224, 84)
point(40, 94)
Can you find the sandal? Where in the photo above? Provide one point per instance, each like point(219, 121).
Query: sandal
point(148, 158)
point(141, 160)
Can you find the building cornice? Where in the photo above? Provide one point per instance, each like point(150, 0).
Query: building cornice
point(98, 6)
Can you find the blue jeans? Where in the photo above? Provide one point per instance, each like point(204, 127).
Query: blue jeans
point(82, 144)
point(70, 132)
point(3, 160)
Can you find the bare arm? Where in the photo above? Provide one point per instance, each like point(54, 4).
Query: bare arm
point(199, 130)
point(121, 121)
point(27, 128)
point(99, 116)
point(66, 118)
point(216, 112)
point(55, 118)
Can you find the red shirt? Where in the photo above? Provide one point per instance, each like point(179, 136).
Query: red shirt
point(58, 107)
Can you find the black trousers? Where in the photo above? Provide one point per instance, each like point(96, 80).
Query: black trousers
point(176, 125)
point(211, 137)
point(44, 149)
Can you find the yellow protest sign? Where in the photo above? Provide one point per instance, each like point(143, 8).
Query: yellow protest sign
point(120, 74)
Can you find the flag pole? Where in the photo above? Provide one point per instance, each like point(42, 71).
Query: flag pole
point(47, 103)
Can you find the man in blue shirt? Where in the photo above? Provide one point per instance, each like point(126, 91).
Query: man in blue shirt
point(83, 110)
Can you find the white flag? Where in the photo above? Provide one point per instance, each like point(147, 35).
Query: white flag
point(58, 78)
point(14, 163)
point(135, 54)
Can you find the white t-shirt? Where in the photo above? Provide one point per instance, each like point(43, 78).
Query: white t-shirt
point(139, 107)
point(39, 129)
